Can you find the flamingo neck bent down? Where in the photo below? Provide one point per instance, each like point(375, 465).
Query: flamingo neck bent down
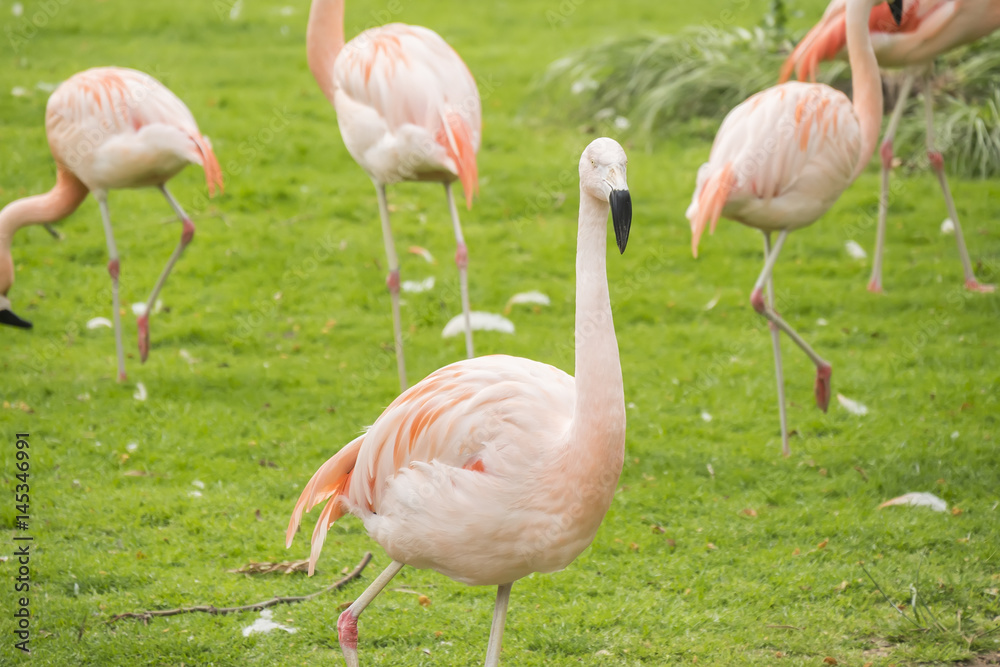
point(54, 205)
point(324, 41)
point(596, 444)
point(866, 79)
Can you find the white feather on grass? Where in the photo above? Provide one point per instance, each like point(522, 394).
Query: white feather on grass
point(99, 322)
point(417, 286)
point(532, 297)
point(480, 322)
point(140, 392)
point(852, 406)
point(139, 309)
point(264, 625)
point(423, 252)
point(918, 499)
point(948, 226)
point(855, 250)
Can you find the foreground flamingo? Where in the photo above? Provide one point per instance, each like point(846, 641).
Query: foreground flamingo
point(491, 469)
point(408, 110)
point(928, 29)
point(780, 161)
point(110, 128)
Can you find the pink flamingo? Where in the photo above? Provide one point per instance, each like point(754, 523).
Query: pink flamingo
point(780, 161)
point(408, 110)
point(928, 28)
point(110, 128)
point(493, 468)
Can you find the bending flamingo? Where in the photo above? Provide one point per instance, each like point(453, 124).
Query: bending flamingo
point(408, 110)
point(110, 128)
point(928, 29)
point(780, 161)
point(493, 468)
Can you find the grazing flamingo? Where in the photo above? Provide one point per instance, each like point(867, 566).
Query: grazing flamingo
point(110, 128)
point(780, 161)
point(493, 468)
point(408, 110)
point(928, 29)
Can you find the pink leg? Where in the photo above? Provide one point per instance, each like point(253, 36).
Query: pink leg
point(347, 624)
point(187, 233)
point(392, 282)
point(496, 629)
point(114, 270)
point(776, 346)
point(937, 164)
point(875, 284)
point(462, 261)
point(823, 368)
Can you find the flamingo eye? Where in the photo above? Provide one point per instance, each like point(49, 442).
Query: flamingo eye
point(593, 163)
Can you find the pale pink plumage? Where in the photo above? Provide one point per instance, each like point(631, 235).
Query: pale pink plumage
point(110, 128)
point(780, 161)
point(408, 110)
point(496, 467)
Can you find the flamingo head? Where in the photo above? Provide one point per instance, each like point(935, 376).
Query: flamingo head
point(7, 316)
point(603, 167)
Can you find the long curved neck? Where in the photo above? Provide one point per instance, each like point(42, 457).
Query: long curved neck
point(56, 204)
point(324, 40)
point(865, 77)
point(597, 434)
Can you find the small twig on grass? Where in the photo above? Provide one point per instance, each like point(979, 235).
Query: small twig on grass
point(784, 627)
point(212, 609)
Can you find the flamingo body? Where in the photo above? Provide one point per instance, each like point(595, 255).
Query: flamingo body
point(397, 119)
point(780, 180)
point(488, 433)
point(114, 127)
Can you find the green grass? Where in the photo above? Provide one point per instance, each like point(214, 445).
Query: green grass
point(271, 395)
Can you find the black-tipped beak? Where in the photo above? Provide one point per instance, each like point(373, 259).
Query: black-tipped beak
point(896, 7)
point(9, 318)
point(621, 216)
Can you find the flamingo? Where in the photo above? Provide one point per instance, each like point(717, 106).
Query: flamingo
point(493, 468)
point(110, 128)
point(928, 29)
point(780, 161)
point(408, 110)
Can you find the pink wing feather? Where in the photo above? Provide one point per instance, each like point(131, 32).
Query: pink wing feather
point(105, 102)
point(456, 416)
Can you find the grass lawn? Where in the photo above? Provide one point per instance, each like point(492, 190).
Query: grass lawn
point(274, 349)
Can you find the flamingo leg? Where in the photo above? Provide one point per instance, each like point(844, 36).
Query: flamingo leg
point(462, 261)
point(347, 624)
point(392, 282)
point(187, 233)
point(114, 269)
point(823, 368)
point(875, 284)
point(937, 164)
point(776, 343)
point(499, 621)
